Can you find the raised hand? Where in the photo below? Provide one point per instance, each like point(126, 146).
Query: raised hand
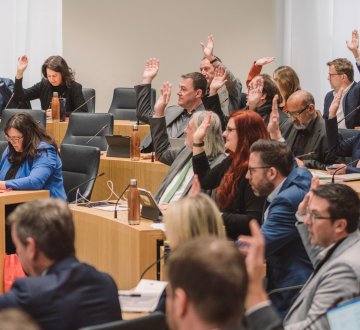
point(151, 69)
point(200, 132)
point(273, 126)
point(22, 65)
point(264, 60)
point(195, 187)
point(334, 106)
point(163, 100)
point(209, 48)
point(353, 45)
point(303, 206)
point(219, 80)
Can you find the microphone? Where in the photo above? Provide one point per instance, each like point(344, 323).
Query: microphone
point(97, 133)
point(339, 168)
point(304, 155)
point(82, 183)
point(357, 108)
point(7, 104)
point(80, 106)
point(118, 200)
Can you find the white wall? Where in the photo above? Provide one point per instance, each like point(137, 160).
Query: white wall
point(108, 41)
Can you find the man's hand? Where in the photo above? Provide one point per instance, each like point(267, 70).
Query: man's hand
point(353, 45)
point(209, 48)
point(163, 100)
point(151, 69)
point(334, 106)
point(21, 66)
point(303, 206)
point(299, 162)
point(218, 81)
point(200, 132)
point(273, 126)
point(264, 60)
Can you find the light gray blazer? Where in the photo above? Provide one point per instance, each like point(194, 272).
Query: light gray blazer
point(338, 279)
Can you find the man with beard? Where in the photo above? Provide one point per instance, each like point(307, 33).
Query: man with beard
point(273, 173)
point(307, 136)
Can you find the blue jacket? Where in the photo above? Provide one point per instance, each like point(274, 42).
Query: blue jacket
point(343, 147)
point(287, 263)
point(70, 296)
point(350, 101)
point(43, 172)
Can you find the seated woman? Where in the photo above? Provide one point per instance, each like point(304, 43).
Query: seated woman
point(57, 77)
point(190, 217)
point(234, 195)
point(31, 160)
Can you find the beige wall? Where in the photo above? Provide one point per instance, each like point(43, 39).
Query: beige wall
point(108, 41)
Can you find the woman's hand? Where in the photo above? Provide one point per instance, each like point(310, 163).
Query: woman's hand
point(21, 66)
point(200, 133)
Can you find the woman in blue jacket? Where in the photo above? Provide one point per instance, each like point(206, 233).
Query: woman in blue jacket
point(31, 160)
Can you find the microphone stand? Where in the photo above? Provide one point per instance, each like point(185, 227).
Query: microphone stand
point(97, 133)
point(340, 168)
point(80, 106)
point(117, 201)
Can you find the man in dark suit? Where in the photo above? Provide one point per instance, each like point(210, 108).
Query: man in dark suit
point(60, 292)
point(341, 75)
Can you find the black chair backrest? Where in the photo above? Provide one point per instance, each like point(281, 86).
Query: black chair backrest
point(79, 164)
point(348, 133)
point(89, 129)
point(88, 93)
point(154, 321)
point(3, 145)
point(123, 104)
point(39, 115)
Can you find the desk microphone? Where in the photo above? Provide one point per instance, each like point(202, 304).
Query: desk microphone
point(82, 183)
point(307, 154)
point(80, 106)
point(339, 168)
point(117, 201)
point(357, 108)
point(7, 104)
point(97, 133)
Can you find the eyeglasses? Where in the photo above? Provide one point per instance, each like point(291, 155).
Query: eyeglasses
point(296, 114)
point(334, 74)
point(252, 169)
point(13, 139)
point(313, 217)
point(229, 129)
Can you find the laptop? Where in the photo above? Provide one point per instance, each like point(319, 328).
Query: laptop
point(118, 146)
point(150, 209)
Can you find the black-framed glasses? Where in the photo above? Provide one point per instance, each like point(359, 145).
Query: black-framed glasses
point(13, 139)
point(334, 74)
point(313, 216)
point(229, 129)
point(296, 114)
point(252, 169)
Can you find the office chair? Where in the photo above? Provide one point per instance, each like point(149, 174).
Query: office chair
point(347, 133)
point(3, 145)
point(39, 116)
point(154, 321)
point(88, 93)
point(123, 104)
point(89, 129)
point(79, 164)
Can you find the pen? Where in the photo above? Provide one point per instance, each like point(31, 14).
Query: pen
point(130, 295)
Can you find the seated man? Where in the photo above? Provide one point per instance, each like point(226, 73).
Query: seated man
point(60, 292)
point(272, 174)
point(6, 89)
point(207, 289)
point(180, 158)
point(230, 93)
point(192, 88)
point(341, 75)
point(307, 136)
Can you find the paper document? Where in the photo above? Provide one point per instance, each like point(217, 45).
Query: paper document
point(144, 298)
point(325, 177)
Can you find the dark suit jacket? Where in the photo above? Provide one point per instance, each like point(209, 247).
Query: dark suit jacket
point(71, 295)
point(350, 101)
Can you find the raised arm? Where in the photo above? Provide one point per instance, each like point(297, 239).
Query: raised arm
point(353, 45)
point(21, 66)
point(257, 67)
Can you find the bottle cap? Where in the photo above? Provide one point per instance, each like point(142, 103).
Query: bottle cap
point(135, 127)
point(56, 94)
point(133, 182)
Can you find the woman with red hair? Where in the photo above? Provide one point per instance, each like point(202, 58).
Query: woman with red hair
point(234, 195)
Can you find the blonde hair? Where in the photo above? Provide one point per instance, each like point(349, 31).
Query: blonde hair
point(192, 217)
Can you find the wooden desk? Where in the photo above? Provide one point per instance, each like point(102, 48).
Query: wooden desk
point(121, 127)
point(121, 170)
point(113, 246)
point(8, 198)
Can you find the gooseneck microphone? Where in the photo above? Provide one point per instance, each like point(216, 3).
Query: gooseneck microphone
point(80, 106)
point(97, 133)
point(305, 155)
point(7, 104)
point(82, 183)
point(118, 200)
point(357, 108)
point(339, 168)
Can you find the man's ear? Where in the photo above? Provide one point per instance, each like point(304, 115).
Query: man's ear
point(272, 173)
point(180, 303)
point(199, 93)
point(31, 248)
point(340, 226)
point(311, 108)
